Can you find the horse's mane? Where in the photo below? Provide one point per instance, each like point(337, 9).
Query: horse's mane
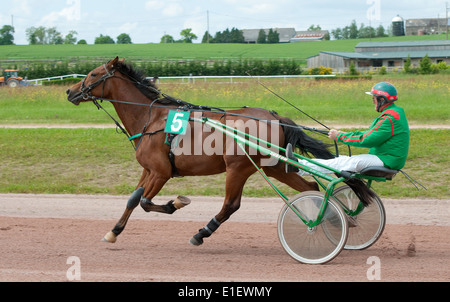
point(148, 87)
point(140, 80)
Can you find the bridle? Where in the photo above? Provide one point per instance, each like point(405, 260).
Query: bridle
point(86, 94)
point(86, 91)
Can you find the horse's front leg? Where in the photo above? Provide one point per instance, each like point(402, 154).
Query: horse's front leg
point(132, 203)
point(154, 185)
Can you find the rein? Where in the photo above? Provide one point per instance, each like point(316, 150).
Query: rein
point(87, 95)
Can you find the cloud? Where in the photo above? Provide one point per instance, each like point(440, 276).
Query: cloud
point(172, 10)
point(72, 12)
point(128, 27)
point(154, 5)
point(259, 8)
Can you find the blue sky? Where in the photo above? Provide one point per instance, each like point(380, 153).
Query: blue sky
point(146, 21)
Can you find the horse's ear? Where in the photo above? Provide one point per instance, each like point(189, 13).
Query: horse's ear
point(113, 62)
point(122, 60)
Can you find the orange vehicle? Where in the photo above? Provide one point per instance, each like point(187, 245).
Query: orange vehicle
point(10, 78)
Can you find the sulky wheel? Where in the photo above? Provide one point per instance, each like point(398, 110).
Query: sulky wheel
point(365, 224)
point(312, 245)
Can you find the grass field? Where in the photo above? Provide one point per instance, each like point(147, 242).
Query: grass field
point(425, 98)
point(28, 53)
point(100, 161)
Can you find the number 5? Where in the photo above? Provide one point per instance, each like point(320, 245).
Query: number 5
point(176, 122)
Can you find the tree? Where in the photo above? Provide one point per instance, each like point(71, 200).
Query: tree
point(237, 36)
point(44, 36)
point(53, 36)
point(70, 37)
point(314, 27)
point(104, 40)
point(366, 31)
point(380, 31)
point(337, 33)
point(261, 37)
point(124, 39)
point(6, 35)
point(425, 65)
point(407, 65)
point(273, 37)
point(167, 39)
point(82, 41)
point(36, 36)
point(207, 38)
point(188, 35)
point(352, 30)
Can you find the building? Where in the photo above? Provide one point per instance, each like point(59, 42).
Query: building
point(287, 35)
point(251, 35)
point(414, 27)
point(308, 35)
point(398, 26)
point(372, 55)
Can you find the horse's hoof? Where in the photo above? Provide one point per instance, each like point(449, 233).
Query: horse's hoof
point(181, 202)
point(195, 241)
point(110, 237)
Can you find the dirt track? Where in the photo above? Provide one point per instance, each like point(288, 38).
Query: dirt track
point(38, 234)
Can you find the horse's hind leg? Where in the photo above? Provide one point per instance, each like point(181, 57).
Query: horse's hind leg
point(293, 180)
point(234, 186)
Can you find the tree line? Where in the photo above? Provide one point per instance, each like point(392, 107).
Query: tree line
point(353, 32)
point(50, 36)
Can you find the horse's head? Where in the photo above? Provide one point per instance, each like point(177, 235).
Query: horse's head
point(93, 84)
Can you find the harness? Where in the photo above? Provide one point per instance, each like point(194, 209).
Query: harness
point(86, 94)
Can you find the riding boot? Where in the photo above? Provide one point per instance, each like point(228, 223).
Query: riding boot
point(290, 155)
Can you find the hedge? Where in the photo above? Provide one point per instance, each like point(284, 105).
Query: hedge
point(175, 68)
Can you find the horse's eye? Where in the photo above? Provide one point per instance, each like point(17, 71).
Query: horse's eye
point(93, 75)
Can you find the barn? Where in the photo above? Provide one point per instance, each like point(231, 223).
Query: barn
point(373, 55)
point(285, 34)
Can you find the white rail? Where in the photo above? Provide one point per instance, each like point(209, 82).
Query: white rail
point(189, 79)
point(39, 81)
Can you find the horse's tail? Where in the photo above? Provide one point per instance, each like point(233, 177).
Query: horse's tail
point(364, 193)
point(307, 145)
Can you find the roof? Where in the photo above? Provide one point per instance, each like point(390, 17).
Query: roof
point(309, 35)
point(404, 43)
point(390, 54)
point(285, 34)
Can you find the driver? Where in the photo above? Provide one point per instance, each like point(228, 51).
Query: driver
point(387, 138)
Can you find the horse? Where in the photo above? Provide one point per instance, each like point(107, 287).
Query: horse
point(143, 111)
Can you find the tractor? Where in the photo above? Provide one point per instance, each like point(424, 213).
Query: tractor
point(10, 78)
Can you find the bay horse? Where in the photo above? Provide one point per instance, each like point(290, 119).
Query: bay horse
point(143, 111)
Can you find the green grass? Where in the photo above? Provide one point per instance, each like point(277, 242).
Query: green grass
point(425, 99)
point(100, 161)
point(194, 51)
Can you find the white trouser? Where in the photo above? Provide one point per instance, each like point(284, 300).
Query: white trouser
point(353, 163)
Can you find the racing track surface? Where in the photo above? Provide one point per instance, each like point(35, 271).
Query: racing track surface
point(38, 234)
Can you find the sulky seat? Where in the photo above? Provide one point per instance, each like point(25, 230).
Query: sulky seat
point(377, 171)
